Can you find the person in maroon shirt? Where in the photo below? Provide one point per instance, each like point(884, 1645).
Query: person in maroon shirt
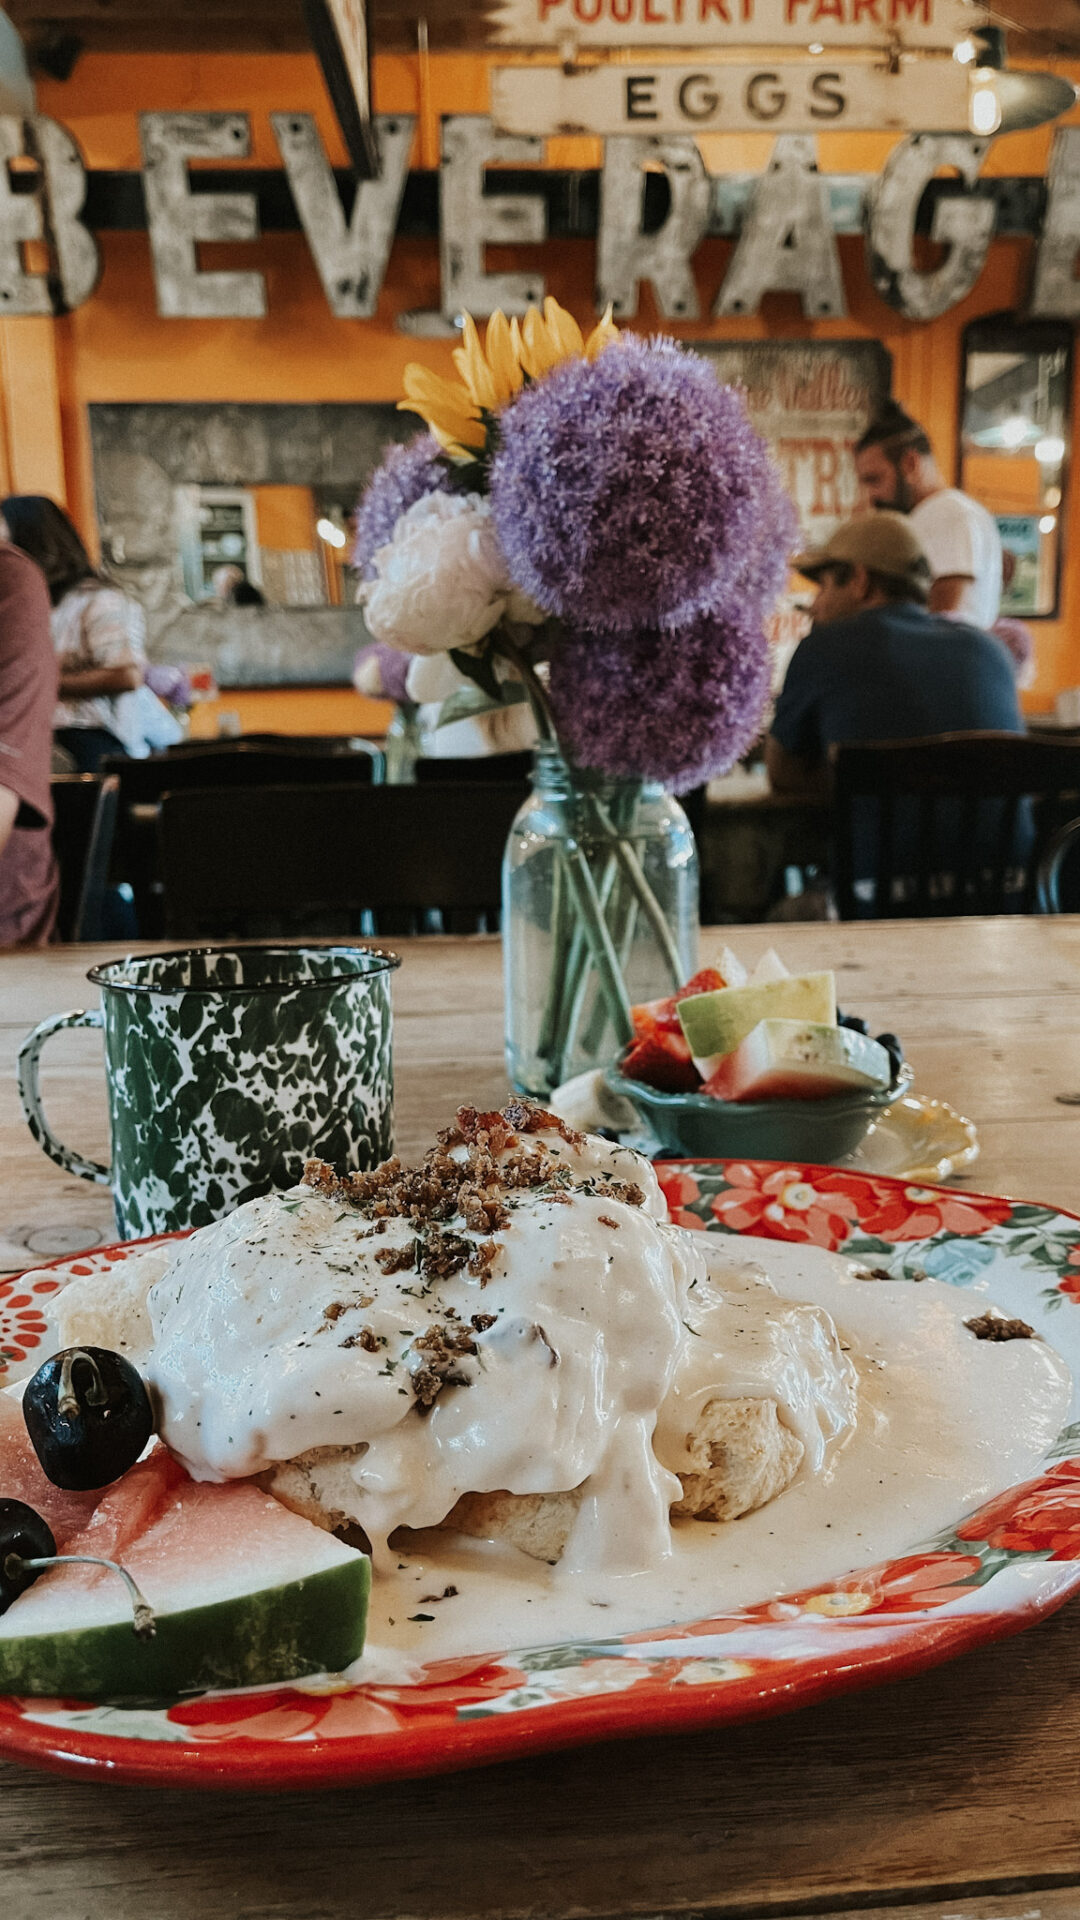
point(29, 883)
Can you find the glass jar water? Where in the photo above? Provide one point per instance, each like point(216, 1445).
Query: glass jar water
point(588, 853)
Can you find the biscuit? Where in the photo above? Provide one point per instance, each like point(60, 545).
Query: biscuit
point(741, 1452)
point(742, 1455)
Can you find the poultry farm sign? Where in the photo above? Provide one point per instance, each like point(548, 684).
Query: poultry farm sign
point(732, 23)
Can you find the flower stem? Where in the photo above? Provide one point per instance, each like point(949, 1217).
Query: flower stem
point(535, 692)
point(626, 855)
point(604, 957)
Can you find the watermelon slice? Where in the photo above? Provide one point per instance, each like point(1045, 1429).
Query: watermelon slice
point(244, 1592)
point(800, 1060)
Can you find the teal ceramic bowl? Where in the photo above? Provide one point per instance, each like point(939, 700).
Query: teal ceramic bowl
point(701, 1128)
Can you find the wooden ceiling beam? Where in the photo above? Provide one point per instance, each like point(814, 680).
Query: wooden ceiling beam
point(139, 26)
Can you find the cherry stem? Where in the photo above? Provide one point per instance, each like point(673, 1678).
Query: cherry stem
point(68, 1405)
point(145, 1625)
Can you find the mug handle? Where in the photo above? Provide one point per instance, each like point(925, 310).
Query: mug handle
point(30, 1095)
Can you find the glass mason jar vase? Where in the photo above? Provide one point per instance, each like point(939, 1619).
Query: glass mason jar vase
point(600, 910)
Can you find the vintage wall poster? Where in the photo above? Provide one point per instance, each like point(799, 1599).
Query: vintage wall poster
point(811, 399)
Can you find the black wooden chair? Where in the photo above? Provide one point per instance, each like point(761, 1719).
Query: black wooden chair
point(952, 824)
point(259, 760)
point(488, 768)
point(254, 761)
point(347, 745)
point(84, 824)
point(334, 860)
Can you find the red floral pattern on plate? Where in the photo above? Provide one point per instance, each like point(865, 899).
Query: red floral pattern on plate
point(1043, 1517)
point(679, 1189)
point(899, 1212)
point(814, 1204)
point(900, 1586)
point(22, 1320)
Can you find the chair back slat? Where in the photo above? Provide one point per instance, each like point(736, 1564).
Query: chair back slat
point(961, 847)
point(483, 767)
point(333, 859)
point(245, 763)
point(886, 822)
point(925, 840)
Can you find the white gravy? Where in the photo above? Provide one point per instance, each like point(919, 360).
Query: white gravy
point(603, 1334)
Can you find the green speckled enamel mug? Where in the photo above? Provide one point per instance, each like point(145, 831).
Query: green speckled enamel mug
point(227, 1068)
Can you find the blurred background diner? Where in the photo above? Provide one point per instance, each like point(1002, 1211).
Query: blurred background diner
point(187, 441)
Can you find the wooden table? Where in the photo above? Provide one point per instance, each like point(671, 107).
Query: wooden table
point(946, 1795)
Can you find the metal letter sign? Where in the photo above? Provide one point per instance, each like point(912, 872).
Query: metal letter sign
point(625, 254)
point(787, 243)
point(964, 225)
point(50, 213)
point(731, 23)
point(782, 96)
point(472, 219)
point(178, 218)
point(351, 259)
point(1056, 290)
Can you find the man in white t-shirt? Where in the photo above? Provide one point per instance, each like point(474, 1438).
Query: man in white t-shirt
point(897, 469)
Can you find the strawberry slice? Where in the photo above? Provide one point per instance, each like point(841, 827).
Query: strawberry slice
point(707, 981)
point(662, 1060)
point(652, 1015)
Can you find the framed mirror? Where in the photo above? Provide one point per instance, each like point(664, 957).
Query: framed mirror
point(1015, 435)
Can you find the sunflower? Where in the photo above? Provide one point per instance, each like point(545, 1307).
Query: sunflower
point(458, 411)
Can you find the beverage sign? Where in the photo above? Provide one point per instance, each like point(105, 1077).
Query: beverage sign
point(784, 96)
point(735, 23)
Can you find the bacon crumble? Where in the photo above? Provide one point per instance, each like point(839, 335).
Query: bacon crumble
point(476, 1187)
point(996, 1326)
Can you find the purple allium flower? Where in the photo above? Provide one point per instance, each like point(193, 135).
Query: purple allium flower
point(402, 478)
point(633, 492)
point(392, 667)
point(170, 683)
point(675, 707)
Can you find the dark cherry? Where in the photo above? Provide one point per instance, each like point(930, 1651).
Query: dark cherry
point(27, 1549)
point(23, 1536)
point(89, 1417)
point(852, 1021)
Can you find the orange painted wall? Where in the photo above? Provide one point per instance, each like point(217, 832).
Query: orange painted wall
point(294, 710)
point(117, 348)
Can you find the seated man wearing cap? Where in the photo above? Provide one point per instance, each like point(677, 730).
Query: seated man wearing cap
point(877, 665)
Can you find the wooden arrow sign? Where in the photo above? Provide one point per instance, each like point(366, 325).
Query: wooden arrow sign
point(782, 96)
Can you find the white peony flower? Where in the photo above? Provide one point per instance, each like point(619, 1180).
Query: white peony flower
point(433, 676)
point(441, 581)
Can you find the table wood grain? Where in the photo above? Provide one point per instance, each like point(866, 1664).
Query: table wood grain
point(951, 1796)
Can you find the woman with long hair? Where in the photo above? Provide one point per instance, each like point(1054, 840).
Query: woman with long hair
point(98, 632)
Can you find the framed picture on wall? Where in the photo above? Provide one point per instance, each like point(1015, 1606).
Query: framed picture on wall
point(1015, 433)
point(811, 400)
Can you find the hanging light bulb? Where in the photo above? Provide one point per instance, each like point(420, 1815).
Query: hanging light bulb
point(984, 106)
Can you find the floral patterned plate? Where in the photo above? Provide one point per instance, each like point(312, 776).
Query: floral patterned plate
point(989, 1574)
